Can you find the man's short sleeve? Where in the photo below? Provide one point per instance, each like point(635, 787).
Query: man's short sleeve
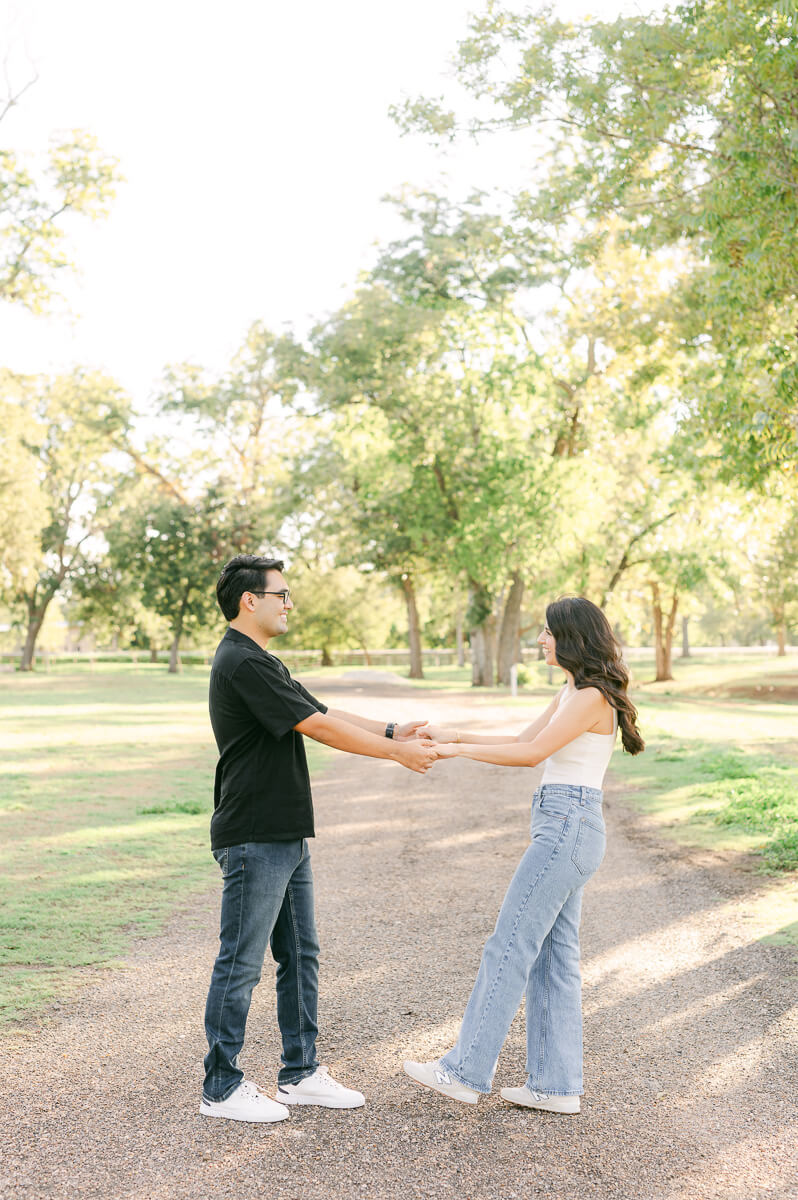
point(303, 691)
point(276, 701)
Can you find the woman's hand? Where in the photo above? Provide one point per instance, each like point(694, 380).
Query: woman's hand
point(447, 749)
point(409, 731)
point(436, 733)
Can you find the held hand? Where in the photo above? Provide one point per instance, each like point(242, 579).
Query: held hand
point(437, 733)
point(417, 756)
point(409, 731)
point(447, 750)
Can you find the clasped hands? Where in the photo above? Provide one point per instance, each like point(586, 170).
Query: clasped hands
point(424, 744)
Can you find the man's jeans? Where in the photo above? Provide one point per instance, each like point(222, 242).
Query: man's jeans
point(534, 949)
point(267, 898)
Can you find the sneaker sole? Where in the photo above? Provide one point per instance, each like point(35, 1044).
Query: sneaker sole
point(440, 1091)
point(228, 1116)
point(542, 1106)
point(326, 1102)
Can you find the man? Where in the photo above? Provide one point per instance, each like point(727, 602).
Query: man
point(263, 815)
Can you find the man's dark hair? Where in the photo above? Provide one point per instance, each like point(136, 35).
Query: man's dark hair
point(244, 573)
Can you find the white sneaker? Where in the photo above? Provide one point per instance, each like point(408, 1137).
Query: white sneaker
point(526, 1098)
point(246, 1103)
point(434, 1075)
point(320, 1088)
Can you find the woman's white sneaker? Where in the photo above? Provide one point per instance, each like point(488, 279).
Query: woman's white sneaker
point(434, 1075)
point(320, 1088)
point(246, 1103)
point(526, 1098)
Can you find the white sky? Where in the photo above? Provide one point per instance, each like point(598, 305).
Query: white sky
point(256, 145)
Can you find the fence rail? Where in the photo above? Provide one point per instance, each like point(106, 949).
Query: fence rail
point(441, 657)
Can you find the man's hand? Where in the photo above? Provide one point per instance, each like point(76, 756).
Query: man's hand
point(416, 756)
point(407, 732)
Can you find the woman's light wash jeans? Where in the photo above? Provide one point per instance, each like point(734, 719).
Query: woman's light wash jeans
point(534, 949)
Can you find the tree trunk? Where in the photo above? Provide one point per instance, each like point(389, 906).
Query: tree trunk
point(685, 638)
point(28, 650)
point(481, 633)
point(509, 648)
point(153, 654)
point(326, 657)
point(663, 633)
point(174, 657)
point(458, 636)
point(781, 630)
point(413, 629)
point(36, 613)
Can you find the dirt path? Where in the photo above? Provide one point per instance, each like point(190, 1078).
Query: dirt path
point(690, 1027)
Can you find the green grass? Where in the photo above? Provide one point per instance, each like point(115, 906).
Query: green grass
point(719, 772)
point(106, 781)
point(721, 765)
point(105, 797)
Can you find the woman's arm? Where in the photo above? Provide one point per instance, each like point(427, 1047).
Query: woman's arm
point(578, 716)
point(439, 733)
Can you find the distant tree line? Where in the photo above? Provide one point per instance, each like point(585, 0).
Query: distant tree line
point(588, 387)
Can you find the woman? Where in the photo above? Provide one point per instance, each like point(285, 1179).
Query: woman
point(534, 948)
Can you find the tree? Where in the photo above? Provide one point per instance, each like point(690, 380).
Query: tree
point(22, 507)
point(338, 608)
point(681, 123)
point(70, 444)
point(172, 550)
point(78, 179)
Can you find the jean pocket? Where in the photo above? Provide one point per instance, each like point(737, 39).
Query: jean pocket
point(557, 805)
point(591, 841)
point(223, 859)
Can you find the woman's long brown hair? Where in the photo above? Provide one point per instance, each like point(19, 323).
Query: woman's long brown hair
point(587, 647)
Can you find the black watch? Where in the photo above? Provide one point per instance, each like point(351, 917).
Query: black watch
point(390, 729)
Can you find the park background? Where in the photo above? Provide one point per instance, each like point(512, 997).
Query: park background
point(450, 339)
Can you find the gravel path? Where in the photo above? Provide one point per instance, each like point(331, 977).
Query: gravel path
point(690, 1027)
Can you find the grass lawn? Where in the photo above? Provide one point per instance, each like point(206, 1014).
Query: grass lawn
point(105, 798)
point(720, 770)
point(106, 776)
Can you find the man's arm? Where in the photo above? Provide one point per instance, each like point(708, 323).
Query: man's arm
point(401, 734)
point(354, 738)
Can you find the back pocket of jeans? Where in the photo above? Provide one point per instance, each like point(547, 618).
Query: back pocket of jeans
point(222, 857)
point(589, 846)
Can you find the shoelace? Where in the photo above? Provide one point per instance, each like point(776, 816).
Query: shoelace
point(328, 1079)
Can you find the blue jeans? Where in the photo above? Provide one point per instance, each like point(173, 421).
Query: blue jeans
point(534, 949)
point(267, 899)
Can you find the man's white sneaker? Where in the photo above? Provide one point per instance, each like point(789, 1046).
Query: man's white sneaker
point(526, 1098)
point(246, 1103)
point(320, 1088)
point(434, 1075)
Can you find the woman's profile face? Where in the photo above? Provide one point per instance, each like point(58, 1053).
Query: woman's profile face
point(547, 640)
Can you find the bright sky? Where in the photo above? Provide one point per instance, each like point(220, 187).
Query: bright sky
point(256, 145)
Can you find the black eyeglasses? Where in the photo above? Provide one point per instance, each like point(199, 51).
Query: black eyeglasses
point(285, 593)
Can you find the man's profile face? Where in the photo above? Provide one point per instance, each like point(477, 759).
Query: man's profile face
point(270, 611)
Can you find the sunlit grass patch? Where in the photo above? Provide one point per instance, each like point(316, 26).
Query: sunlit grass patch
point(706, 791)
point(106, 785)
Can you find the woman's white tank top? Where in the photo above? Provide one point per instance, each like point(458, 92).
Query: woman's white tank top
point(583, 761)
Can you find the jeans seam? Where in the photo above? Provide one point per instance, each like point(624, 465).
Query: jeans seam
point(544, 1020)
point(235, 952)
point(511, 939)
point(297, 961)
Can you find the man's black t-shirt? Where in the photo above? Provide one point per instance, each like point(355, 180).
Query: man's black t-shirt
point(262, 789)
